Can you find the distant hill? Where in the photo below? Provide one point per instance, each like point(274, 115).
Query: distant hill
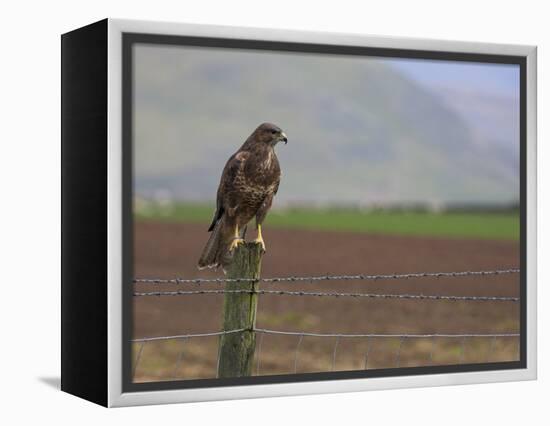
point(359, 131)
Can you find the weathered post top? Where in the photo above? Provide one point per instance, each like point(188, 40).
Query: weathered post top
point(246, 262)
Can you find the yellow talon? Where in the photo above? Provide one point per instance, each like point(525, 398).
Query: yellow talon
point(235, 243)
point(259, 238)
point(237, 240)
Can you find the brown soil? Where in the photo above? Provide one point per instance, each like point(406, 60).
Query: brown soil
point(164, 250)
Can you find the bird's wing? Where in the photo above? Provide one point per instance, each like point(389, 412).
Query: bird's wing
point(232, 168)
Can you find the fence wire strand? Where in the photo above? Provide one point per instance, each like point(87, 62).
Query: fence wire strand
point(398, 357)
point(462, 350)
point(259, 354)
point(360, 277)
point(491, 348)
point(296, 353)
point(334, 353)
point(186, 336)
point(332, 294)
point(138, 357)
point(380, 335)
point(178, 362)
point(314, 334)
point(368, 351)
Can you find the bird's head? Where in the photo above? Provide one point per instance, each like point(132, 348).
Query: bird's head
point(270, 134)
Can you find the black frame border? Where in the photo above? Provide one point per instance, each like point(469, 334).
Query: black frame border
point(84, 234)
point(130, 39)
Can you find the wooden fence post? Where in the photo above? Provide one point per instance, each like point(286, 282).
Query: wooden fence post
point(236, 350)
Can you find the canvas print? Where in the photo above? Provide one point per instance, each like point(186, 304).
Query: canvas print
point(301, 214)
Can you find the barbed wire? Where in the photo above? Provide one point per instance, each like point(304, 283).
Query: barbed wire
point(327, 277)
point(332, 294)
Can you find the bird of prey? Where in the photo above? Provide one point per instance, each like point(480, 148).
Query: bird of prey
point(250, 180)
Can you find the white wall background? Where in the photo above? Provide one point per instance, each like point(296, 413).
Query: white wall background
point(30, 242)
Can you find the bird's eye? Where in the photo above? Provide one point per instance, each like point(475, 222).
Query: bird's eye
point(273, 131)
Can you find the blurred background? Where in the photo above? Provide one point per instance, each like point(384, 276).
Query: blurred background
point(392, 166)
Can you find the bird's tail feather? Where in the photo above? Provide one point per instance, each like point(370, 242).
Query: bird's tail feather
point(210, 254)
point(216, 251)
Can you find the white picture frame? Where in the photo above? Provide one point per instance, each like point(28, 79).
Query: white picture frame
point(115, 394)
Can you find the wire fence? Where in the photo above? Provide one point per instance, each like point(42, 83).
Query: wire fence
point(337, 336)
point(311, 334)
point(327, 277)
point(310, 279)
point(333, 294)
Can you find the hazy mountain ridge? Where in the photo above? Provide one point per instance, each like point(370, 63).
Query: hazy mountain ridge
point(359, 131)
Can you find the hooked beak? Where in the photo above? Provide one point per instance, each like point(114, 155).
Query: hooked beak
point(284, 138)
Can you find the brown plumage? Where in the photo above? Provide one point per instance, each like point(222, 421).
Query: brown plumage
point(248, 184)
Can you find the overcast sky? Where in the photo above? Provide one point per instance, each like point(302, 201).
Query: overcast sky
point(490, 79)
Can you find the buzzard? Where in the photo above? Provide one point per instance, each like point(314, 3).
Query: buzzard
point(249, 181)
